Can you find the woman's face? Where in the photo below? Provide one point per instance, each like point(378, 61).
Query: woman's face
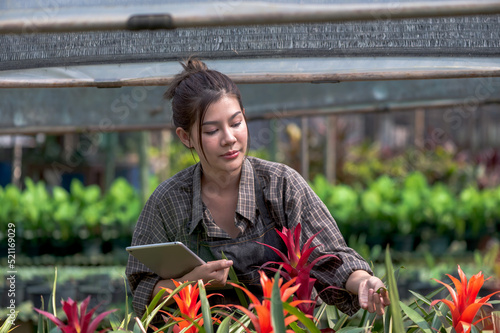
point(224, 137)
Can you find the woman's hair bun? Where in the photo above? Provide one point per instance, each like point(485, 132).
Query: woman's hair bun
point(194, 65)
point(191, 66)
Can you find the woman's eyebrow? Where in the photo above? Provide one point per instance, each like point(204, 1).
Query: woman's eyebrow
point(215, 122)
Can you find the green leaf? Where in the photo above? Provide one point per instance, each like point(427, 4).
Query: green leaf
point(92, 194)
point(205, 308)
point(308, 323)
point(153, 303)
point(77, 190)
point(224, 325)
point(128, 315)
point(42, 320)
point(60, 194)
point(439, 319)
point(474, 329)
point(241, 326)
point(193, 324)
point(154, 307)
point(424, 299)
point(332, 315)
point(397, 319)
point(416, 318)
point(114, 321)
point(387, 320)
point(367, 319)
point(7, 324)
point(234, 278)
point(340, 322)
point(352, 330)
point(295, 327)
point(277, 318)
point(53, 296)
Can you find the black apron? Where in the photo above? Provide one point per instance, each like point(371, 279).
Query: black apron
point(247, 255)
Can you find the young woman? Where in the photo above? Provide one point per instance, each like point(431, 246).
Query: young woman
point(229, 201)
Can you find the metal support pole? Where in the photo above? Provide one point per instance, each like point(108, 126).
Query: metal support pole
point(331, 149)
point(110, 167)
point(165, 145)
point(419, 128)
point(273, 147)
point(234, 13)
point(17, 159)
point(144, 165)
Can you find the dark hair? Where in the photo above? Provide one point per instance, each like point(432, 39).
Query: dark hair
point(193, 91)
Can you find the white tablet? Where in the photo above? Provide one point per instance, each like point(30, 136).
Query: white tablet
point(168, 260)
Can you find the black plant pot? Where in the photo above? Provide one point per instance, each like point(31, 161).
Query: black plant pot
point(403, 243)
point(36, 293)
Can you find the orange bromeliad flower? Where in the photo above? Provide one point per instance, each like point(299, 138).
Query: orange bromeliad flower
point(262, 319)
point(189, 304)
point(465, 305)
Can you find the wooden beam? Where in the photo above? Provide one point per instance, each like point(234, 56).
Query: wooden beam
point(260, 78)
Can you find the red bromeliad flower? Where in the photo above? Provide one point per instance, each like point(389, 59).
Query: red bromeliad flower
point(189, 304)
point(262, 319)
point(465, 305)
point(297, 265)
point(79, 320)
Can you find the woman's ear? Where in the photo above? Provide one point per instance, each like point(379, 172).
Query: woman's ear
point(184, 136)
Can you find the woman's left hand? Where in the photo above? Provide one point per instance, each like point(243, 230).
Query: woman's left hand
point(373, 296)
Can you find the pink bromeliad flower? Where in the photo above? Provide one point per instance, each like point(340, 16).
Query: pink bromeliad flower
point(79, 320)
point(296, 264)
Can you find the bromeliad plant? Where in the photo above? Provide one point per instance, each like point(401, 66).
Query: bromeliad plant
point(78, 319)
point(465, 304)
point(190, 319)
point(274, 313)
point(279, 312)
point(423, 314)
point(262, 319)
point(296, 264)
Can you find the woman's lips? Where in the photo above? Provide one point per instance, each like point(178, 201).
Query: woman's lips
point(231, 154)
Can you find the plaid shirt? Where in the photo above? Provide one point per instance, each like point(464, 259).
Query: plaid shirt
point(175, 209)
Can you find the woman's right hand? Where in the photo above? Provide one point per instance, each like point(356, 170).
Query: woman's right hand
point(213, 272)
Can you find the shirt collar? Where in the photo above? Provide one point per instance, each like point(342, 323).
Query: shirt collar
point(246, 195)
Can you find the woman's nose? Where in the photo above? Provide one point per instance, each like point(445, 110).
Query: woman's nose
point(228, 138)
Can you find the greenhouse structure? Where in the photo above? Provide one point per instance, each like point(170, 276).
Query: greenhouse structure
point(389, 109)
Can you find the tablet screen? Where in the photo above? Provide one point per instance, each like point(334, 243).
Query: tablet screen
point(168, 260)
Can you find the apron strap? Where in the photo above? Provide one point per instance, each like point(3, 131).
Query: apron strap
point(259, 197)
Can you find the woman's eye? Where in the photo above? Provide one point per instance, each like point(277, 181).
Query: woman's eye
point(237, 124)
point(211, 132)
